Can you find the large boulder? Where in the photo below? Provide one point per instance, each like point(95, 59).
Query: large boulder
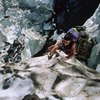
point(94, 60)
point(41, 10)
point(93, 30)
point(93, 25)
point(34, 42)
point(28, 17)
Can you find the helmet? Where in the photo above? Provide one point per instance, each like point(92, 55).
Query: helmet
point(73, 33)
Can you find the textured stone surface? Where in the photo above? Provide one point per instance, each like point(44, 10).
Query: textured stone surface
point(93, 30)
point(25, 17)
point(52, 79)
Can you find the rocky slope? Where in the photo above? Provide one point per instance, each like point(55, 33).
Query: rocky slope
point(25, 27)
point(49, 79)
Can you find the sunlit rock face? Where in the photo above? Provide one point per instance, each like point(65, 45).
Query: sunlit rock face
point(33, 43)
point(93, 29)
point(53, 79)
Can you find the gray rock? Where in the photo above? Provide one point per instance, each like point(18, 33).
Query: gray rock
point(31, 97)
point(94, 59)
point(52, 79)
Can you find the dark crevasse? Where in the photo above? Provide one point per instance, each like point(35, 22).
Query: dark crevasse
point(71, 13)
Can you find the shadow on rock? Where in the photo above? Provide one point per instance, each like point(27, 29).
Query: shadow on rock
point(31, 97)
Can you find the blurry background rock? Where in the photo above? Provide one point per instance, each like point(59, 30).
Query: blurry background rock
point(71, 13)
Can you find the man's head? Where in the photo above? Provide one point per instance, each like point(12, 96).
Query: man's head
point(67, 39)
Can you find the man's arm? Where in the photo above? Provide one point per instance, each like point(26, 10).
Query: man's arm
point(54, 49)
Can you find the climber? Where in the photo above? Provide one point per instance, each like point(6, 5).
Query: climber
point(67, 44)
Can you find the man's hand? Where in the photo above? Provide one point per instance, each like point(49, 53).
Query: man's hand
point(63, 58)
point(50, 57)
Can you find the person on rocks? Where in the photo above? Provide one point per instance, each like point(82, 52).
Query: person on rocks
point(67, 44)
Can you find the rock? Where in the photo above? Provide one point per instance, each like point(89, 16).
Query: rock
point(31, 97)
point(39, 77)
point(7, 83)
point(83, 48)
point(52, 79)
point(35, 4)
point(98, 68)
point(93, 30)
point(3, 37)
point(68, 12)
point(47, 26)
point(2, 9)
point(94, 59)
point(14, 52)
point(22, 17)
point(41, 11)
point(32, 39)
point(92, 25)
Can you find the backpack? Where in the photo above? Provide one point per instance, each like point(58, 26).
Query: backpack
point(74, 34)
